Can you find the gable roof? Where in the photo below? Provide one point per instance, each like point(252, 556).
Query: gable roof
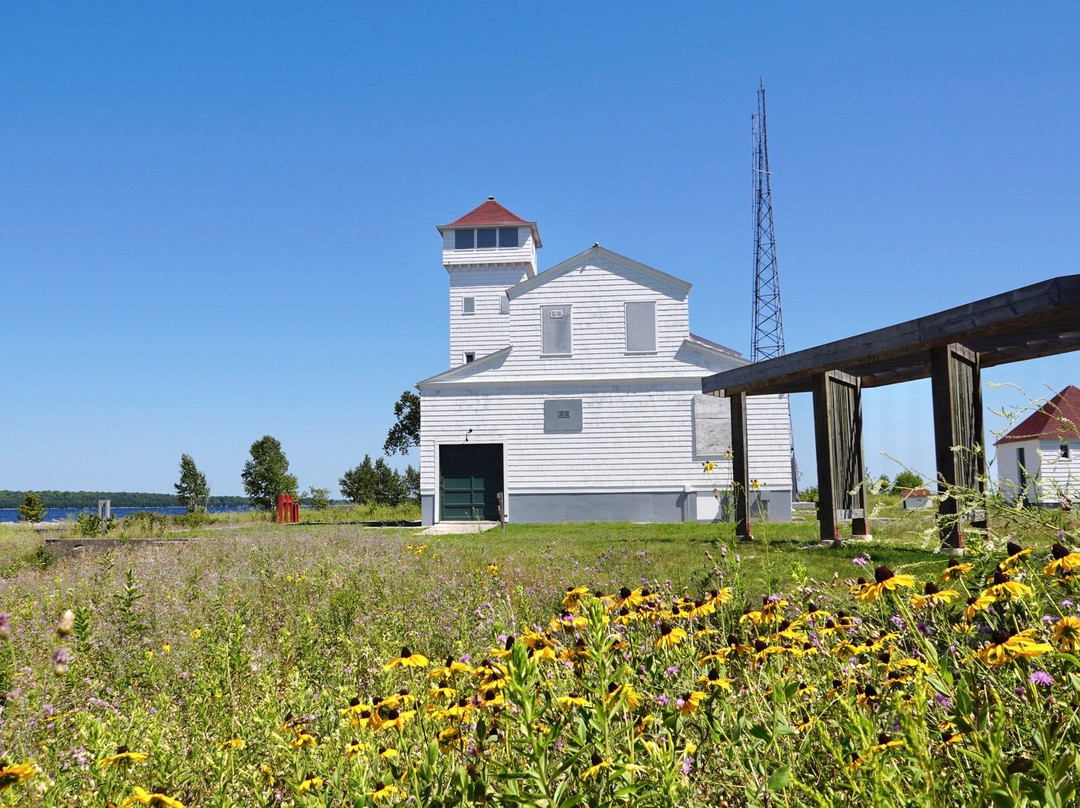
point(1057, 419)
point(596, 250)
point(480, 364)
point(490, 214)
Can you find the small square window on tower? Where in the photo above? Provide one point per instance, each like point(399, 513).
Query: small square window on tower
point(464, 239)
point(470, 356)
point(504, 304)
point(485, 238)
point(1064, 450)
point(468, 305)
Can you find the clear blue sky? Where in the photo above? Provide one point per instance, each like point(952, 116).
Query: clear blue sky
point(217, 221)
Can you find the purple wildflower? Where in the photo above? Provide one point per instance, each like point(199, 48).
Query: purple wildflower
point(1041, 678)
point(687, 764)
point(671, 671)
point(1066, 604)
point(663, 700)
point(860, 561)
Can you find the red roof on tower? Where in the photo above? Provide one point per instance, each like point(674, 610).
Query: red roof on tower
point(1057, 419)
point(491, 214)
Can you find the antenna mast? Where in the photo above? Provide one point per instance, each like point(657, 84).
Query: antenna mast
point(768, 337)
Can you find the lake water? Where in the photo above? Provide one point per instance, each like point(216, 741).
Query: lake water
point(62, 514)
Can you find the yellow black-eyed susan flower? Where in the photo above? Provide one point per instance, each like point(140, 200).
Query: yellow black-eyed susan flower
point(713, 679)
point(408, 659)
point(955, 570)
point(932, 597)
point(690, 702)
point(1063, 560)
point(451, 667)
point(572, 599)
point(396, 719)
point(449, 738)
point(155, 799)
point(303, 741)
point(383, 791)
point(232, 743)
point(885, 741)
point(670, 635)
point(1067, 633)
point(1003, 587)
point(885, 580)
point(1005, 647)
point(1016, 552)
point(12, 773)
point(572, 700)
point(122, 756)
point(310, 783)
point(976, 604)
point(630, 598)
point(598, 764)
point(631, 699)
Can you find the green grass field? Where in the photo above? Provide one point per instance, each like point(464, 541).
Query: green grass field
point(262, 665)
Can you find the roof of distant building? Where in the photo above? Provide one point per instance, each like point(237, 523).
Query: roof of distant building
point(491, 214)
point(1057, 419)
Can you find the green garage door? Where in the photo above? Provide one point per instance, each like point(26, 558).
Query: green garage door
point(470, 481)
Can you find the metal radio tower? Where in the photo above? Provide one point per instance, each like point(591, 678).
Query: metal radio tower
point(768, 339)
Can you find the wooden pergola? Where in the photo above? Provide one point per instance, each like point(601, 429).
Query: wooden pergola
point(950, 347)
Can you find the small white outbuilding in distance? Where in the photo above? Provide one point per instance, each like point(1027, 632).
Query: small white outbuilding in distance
point(1038, 460)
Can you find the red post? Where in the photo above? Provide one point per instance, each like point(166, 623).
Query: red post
point(287, 510)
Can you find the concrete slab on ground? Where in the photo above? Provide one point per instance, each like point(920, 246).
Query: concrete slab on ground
point(449, 528)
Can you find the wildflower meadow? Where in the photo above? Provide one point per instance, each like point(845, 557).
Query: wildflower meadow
point(336, 666)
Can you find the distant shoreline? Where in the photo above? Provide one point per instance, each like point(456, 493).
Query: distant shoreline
point(118, 499)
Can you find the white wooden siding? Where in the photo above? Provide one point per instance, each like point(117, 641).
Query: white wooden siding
point(597, 291)
point(1059, 476)
point(486, 330)
point(636, 439)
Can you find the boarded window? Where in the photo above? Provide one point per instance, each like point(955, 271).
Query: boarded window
point(562, 415)
point(463, 239)
point(1064, 452)
point(712, 426)
point(485, 238)
point(508, 237)
point(468, 305)
point(470, 356)
point(555, 329)
point(504, 304)
point(641, 326)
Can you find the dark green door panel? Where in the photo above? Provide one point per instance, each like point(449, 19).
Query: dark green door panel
point(470, 481)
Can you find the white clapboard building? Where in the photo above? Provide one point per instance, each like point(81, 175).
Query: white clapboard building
point(574, 394)
point(1038, 460)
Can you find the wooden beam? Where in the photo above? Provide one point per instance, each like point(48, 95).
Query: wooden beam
point(1039, 311)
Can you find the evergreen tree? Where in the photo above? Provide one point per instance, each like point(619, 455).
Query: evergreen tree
point(32, 509)
point(266, 474)
point(192, 491)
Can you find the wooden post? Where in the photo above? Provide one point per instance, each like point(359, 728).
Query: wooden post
point(740, 466)
point(829, 532)
point(958, 438)
point(838, 443)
